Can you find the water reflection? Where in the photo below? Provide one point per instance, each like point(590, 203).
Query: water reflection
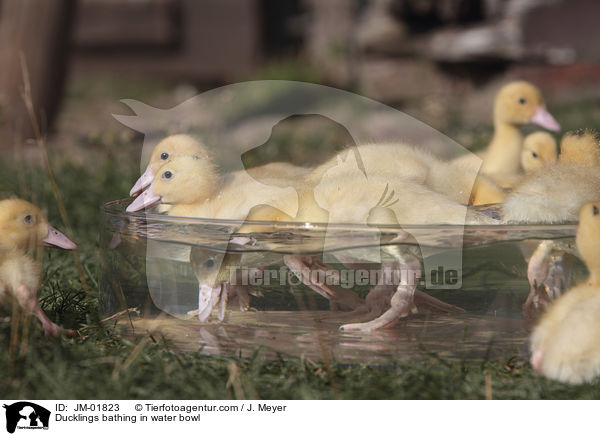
point(304, 334)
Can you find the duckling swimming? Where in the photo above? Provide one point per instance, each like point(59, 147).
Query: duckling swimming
point(185, 145)
point(405, 162)
point(565, 344)
point(165, 150)
point(346, 194)
point(23, 227)
point(192, 187)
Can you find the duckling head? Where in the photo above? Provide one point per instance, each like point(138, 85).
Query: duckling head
point(170, 147)
point(539, 150)
point(23, 227)
point(520, 103)
point(580, 147)
point(588, 237)
point(183, 180)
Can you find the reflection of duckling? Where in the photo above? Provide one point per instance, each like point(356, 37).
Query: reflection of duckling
point(516, 104)
point(23, 227)
point(565, 343)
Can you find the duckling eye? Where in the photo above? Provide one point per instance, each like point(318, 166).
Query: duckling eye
point(522, 100)
point(164, 156)
point(167, 175)
point(28, 219)
point(595, 210)
point(210, 262)
point(534, 154)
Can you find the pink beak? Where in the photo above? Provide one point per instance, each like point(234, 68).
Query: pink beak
point(536, 360)
point(146, 199)
point(144, 180)
point(57, 239)
point(543, 118)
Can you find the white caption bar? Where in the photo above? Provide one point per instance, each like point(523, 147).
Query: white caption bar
point(23, 417)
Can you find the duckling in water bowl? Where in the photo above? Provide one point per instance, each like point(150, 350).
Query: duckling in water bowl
point(273, 303)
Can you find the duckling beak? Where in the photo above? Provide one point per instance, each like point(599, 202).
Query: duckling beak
point(144, 180)
point(147, 199)
point(536, 360)
point(57, 239)
point(543, 118)
point(207, 299)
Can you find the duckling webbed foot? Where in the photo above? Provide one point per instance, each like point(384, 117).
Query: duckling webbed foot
point(559, 275)
point(377, 301)
point(28, 301)
point(209, 297)
point(312, 273)
point(548, 277)
point(402, 304)
point(537, 273)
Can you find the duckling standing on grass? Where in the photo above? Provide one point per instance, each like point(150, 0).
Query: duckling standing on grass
point(22, 228)
point(565, 344)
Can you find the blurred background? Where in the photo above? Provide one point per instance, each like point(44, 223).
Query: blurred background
point(439, 61)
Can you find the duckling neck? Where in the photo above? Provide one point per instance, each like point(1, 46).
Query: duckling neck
point(308, 208)
point(503, 155)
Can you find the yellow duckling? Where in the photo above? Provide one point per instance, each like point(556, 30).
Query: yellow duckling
point(23, 227)
point(400, 161)
point(539, 150)
point(555, 193)
point(580, 147)
point(184, 145)
point(516, 104)
point(345, 194)
point(565, 343)
point(165, 150)
point(192, 187)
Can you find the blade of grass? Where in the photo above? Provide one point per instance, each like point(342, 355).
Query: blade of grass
point(41, 142)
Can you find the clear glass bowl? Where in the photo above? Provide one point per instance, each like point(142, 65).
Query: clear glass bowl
point(147, 280)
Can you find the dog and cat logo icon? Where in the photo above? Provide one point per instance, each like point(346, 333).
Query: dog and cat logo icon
point(26, 415)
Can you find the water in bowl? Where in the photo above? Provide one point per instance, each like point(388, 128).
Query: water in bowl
point(146, 268)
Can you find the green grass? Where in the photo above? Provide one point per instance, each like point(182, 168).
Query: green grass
point(99, 363)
